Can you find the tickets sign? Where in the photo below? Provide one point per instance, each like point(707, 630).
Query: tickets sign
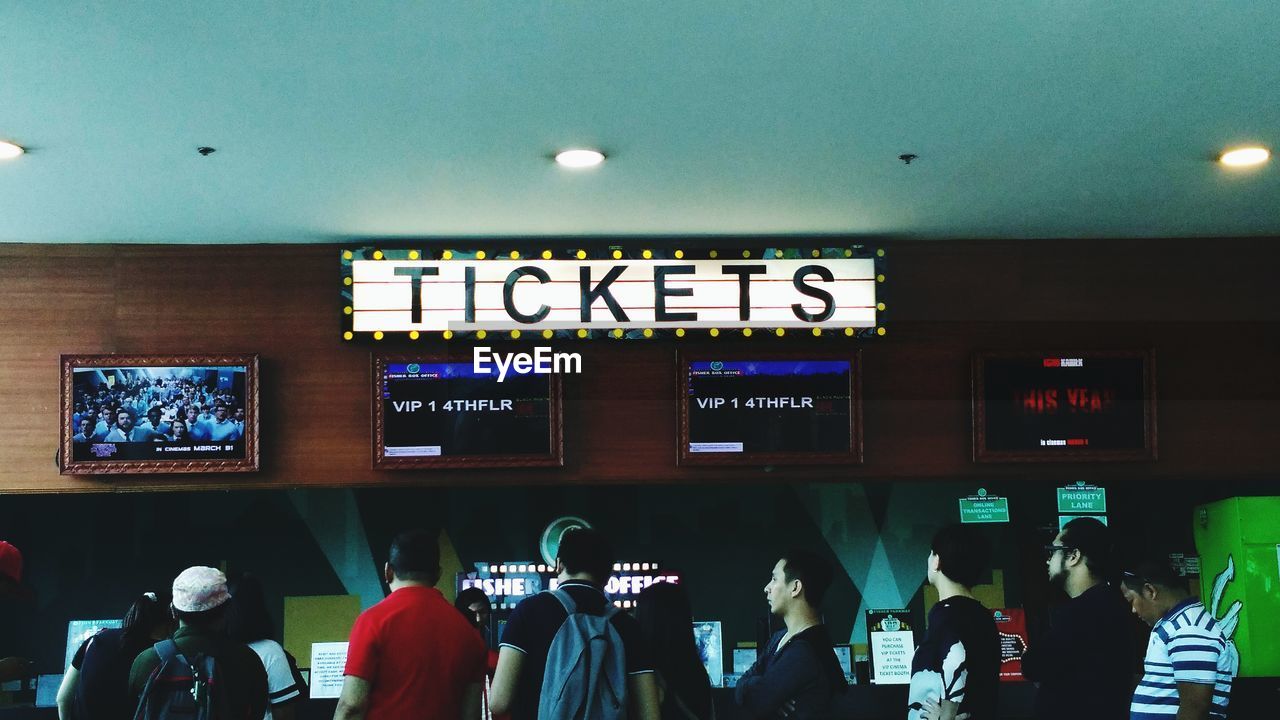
point(474, 294)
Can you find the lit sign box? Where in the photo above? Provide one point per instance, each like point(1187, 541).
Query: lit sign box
point(1064, 406)
point(770, 408)
point(432, 412)
point(509, 583)
point(406, 292)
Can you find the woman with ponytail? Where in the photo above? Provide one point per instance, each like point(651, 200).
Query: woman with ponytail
point(665, 616)
point(96, 686)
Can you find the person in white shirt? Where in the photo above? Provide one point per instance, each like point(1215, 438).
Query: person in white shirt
point(249, 622)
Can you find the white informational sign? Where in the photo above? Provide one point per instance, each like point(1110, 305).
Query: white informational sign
point(469, 295)
point(414, 451)
point(328, 659)
point(891, 654)
point(715, 447)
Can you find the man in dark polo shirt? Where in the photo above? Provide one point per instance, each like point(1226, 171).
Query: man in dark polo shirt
point(1085, 663)
point(199, 604)
point(413, 656)
point(798, 676)
point(584, 563)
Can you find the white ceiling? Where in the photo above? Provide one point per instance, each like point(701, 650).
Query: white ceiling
point(358, 120)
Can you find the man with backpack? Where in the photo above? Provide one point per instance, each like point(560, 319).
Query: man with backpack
point(570, 653)
point(199, 674)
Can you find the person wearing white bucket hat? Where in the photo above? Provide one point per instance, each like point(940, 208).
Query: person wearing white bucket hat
point(199, 604)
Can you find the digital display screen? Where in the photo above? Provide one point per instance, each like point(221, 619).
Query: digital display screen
point(1063, 405)
point(769, 406)
point(177, 413)
point(80, 630)
point(708, 637)
point(844, 656)
point(446, 409)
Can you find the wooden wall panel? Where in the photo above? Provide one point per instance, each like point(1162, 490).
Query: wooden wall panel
point(1212, 317)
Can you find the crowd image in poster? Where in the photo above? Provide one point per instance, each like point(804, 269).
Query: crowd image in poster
point(158, 413)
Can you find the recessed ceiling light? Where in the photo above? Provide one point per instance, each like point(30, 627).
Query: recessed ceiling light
point(1245, 156)
point(579, 158)
point(9, 151)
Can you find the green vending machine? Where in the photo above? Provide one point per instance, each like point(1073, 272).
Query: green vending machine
point(1239, 544)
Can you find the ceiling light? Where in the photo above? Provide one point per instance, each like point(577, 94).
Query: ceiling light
point(1243, 157)
point(579, 158)
point(9, 151)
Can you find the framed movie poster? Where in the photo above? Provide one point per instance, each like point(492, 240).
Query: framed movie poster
point(1064, 406)
point(432, 412)
point(770, 408)
point(158, 414)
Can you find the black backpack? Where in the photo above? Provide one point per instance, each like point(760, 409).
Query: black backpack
point(181, 689)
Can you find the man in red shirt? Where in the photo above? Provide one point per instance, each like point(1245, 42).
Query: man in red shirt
point(412, 655)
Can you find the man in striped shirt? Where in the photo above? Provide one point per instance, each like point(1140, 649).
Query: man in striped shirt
point(1187, 669)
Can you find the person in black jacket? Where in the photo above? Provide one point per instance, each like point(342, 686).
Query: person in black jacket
point(96, 685)
point(955, 672)
point(666, 617)
point(1084, 664)
point(798, 675)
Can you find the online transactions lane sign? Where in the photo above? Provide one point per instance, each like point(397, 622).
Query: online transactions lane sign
point(984, 509)
point(525, 294)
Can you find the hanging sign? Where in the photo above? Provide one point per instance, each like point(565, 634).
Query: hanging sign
point(984, 508)
point(1082, 499)
point(831, 289)
point(1064, 519)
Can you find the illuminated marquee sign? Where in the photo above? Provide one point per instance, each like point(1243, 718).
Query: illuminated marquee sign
point(833, 290)
point(508, 584)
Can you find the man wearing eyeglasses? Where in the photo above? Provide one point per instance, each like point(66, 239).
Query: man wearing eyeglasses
point(1084, 663)
point(1188, 668)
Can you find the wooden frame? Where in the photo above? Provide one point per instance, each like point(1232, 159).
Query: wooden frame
point(71, 462)
point(853, 456)
point(555, 403)
point(981, 431)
